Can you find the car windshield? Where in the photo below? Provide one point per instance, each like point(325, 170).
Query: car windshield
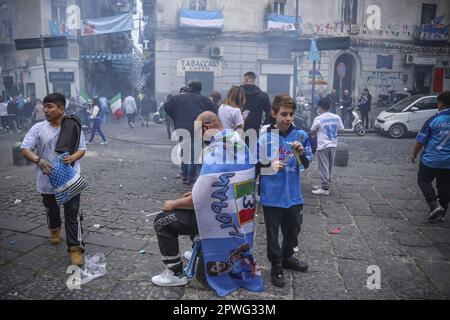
point(399, 107)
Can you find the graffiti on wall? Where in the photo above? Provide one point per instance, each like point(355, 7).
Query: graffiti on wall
point(384, 81)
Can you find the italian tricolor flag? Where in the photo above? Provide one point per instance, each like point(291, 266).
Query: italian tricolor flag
point(244, 196)
point(84, 97)
point(116, 106)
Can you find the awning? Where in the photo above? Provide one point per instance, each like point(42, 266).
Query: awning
point(201, 19)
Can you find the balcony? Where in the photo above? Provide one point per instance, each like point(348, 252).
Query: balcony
point(429, 34)
point(200, 22)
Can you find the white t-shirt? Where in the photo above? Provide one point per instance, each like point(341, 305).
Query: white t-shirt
point(130, 105)
point(42, 137)
point(328, 124)
point(231, 117)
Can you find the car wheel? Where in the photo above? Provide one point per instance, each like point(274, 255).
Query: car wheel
point(397, 131)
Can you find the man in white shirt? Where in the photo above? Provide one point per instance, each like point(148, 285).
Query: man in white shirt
point(39, 146)
point(130, 109)
point(326, 127)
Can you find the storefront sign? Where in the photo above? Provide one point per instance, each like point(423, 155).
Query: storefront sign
point(199, 65)
point(61, 77)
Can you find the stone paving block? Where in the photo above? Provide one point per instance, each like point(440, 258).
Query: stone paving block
point(385, 211)
point(358, 207)
point(439, 235)
point(5, 234)
point(7, 256)
point(412, 240)
point(42, 287)
point(405, 278)
point(439, 273)
point(350, 247)
point(324, 285)
point(443, 248)
point(355, 276)
point(17, 225)
point(116, 242)
point(411, 205)
point(21, 242)
point(11, 277)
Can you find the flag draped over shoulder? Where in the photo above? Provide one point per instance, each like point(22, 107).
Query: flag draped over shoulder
point(225, 204)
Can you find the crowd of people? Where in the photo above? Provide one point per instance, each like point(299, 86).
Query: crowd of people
point(276, 167)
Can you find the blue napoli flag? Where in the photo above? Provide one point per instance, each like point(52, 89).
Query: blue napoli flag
point(201, 19)
point(225, 204)
point(314, 53)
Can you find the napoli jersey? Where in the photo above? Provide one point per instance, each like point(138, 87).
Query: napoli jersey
point(435, 135)
point(282, 189)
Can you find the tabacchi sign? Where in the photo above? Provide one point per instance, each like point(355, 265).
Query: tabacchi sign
point(199, 65)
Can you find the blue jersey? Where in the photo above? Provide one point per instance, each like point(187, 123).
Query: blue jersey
point(283, 189)
point(435, 135)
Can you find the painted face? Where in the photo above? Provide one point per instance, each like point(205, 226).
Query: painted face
point(284, 118)
point(52, 111)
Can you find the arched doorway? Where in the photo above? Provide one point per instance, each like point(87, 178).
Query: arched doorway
point(349, 81)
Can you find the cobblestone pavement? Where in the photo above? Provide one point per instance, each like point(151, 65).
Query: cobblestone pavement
point(375, 201)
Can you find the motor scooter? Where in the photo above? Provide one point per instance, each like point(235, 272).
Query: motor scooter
point(357, 124)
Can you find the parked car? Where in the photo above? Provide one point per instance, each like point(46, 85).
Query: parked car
point(407, 116)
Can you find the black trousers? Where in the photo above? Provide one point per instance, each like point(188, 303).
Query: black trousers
point(365, 118)
point(425, 179)
point(72, 218)
point(290, 220)
point(168, 226)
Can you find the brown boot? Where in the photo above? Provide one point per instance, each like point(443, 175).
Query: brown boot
point(76, 256)
point(55, 236)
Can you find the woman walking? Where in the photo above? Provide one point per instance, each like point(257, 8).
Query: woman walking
point(97, 122)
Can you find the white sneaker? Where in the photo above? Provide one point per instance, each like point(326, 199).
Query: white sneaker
point(296, 249)
point(187, 255)
point(168, 279)
point(321, 192)
point(104, 143)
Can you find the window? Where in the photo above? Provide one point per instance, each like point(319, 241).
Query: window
point(197, 5)
point(30, 89)
point(59, 14)
point(6, 30)
point(428, 13)
point(349, 11)
point(59, 10)
point(427, 104)
point(279, 7)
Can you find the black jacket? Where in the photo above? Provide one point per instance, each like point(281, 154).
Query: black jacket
point(184, 109)
point(69, 136)
point(13, 108)
point(347, 103)
point(257, 102)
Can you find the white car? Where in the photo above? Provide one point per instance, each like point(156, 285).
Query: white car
point(409, 115)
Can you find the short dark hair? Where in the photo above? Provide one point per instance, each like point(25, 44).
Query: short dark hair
point(444, 97)
point(324, 103)
point(195, 85)
point(56, 98)
point(250, 75)
point(283, 100)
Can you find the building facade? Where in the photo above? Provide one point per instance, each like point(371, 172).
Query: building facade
point(393, 44)
point(22, 71)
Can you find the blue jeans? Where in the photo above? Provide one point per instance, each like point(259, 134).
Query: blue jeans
point(97, 127)
point(189, 170)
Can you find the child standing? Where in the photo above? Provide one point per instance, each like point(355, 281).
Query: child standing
point(280, 190)
point(326, 127)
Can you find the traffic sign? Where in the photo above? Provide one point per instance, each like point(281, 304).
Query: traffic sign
point(341, 70)
point(36, 43)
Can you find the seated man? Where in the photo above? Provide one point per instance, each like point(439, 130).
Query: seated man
point(225, 236)
point(178, 218)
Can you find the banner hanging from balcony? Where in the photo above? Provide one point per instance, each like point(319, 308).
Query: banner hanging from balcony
point(119, 23)
point(281, 22)
point(201, 19)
